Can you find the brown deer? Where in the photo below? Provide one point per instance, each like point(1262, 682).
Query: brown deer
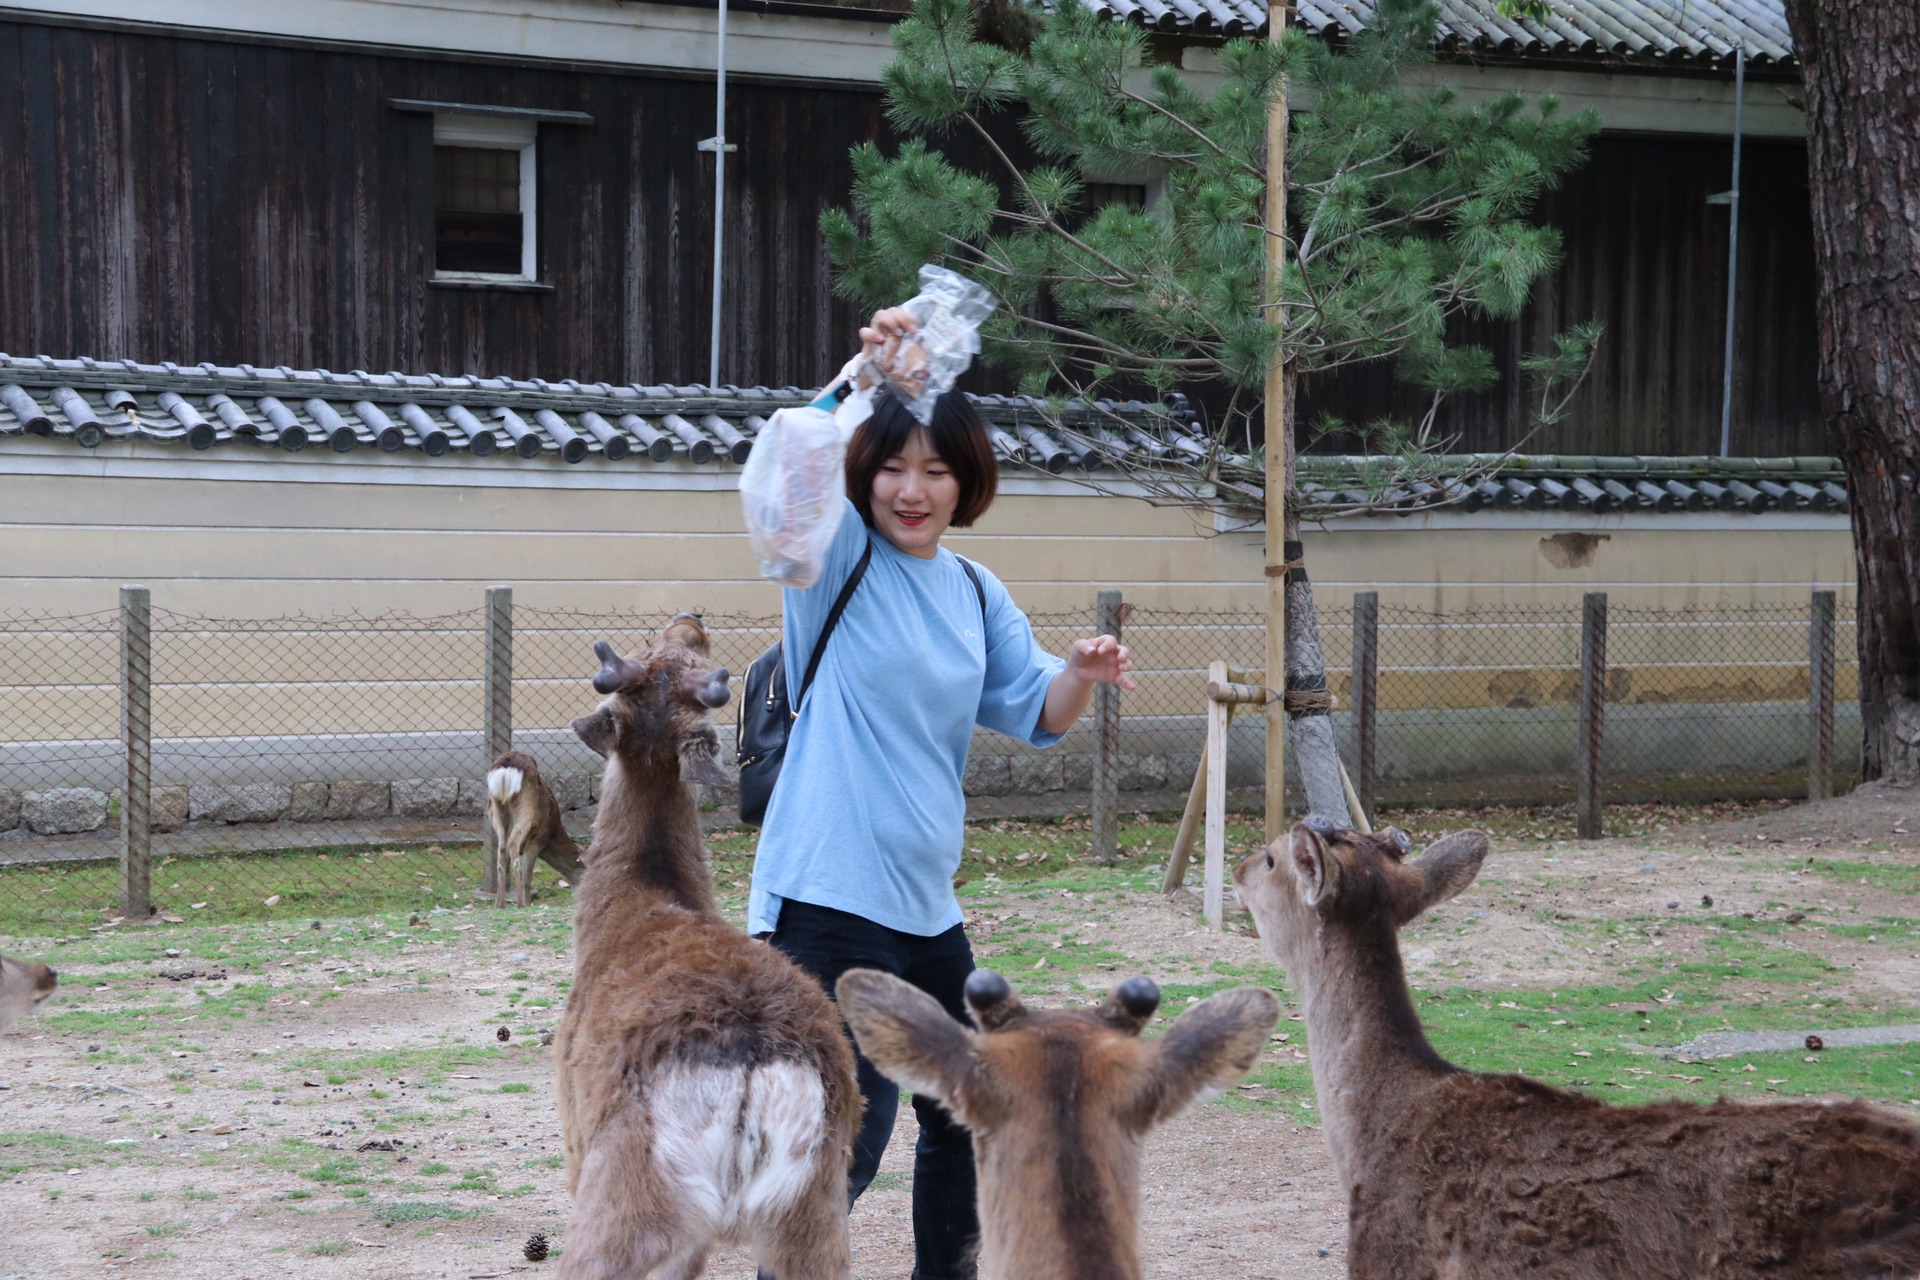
point(526, 825)
point(1059, 1102)
point(1451, 1174)
point(24, 987)
point(706, 1088)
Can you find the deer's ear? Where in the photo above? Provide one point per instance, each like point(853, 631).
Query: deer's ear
point(699, 762)
point(904, 1032)
point(1208, 1047)
point(599, 729)
point(1448, 866)
point(1315, 868)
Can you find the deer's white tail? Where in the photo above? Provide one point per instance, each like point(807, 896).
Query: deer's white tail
point(503, 784)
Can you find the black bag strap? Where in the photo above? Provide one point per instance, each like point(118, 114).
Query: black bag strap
point(833, 620)
point(980, 592)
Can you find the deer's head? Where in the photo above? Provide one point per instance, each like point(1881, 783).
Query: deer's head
point(658, 712)
point(1059, 1101)
point(1320, 874)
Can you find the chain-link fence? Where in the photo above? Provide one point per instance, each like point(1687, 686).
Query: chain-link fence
point(334, 764)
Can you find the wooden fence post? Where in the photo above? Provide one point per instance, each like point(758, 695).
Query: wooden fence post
point(1366, 679)
point(1593, 701)
point(1219, 720)
point(1106, 760)
point(497, 713)
point(1820, 663)
point(136, 738)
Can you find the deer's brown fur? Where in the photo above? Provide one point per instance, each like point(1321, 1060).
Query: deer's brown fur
point(1451, 1174)
point(706, 1087)
point(527, 825)
point(1059, 1103)
point(24, 987)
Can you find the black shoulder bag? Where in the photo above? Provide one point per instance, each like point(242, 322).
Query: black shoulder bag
point(766, 714)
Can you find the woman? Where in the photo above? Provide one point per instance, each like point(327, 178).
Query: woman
point(864, 831)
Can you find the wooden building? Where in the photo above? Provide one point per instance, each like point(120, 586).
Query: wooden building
point(500, 187)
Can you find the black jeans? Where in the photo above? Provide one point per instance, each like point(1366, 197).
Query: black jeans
point(827, 943)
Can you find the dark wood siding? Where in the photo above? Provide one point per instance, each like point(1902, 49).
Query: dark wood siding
point(184, 199)
point(168, 198)
point(1647, 255)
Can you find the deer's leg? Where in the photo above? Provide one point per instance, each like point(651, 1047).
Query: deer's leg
point(527, 855)
point(620, 1229)
point(685, 1265)
point(809, 1240)
point(501, 859)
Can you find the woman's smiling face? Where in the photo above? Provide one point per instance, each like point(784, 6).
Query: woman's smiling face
point(914, 497)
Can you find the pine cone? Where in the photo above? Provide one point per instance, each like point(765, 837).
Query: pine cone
point(503, 1035)
point(536, 1247)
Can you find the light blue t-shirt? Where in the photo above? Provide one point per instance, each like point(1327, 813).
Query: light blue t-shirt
point(868, 816)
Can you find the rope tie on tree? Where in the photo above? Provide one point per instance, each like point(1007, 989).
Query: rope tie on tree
point(1293, 567)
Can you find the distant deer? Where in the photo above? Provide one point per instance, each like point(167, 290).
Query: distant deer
point(1453, 1174)
point(1059, 1103)
point(706, 1087)
point(24, 987)
point(526, 825)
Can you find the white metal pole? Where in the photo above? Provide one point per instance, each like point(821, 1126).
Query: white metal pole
point(719, 189)
point(1733, 252)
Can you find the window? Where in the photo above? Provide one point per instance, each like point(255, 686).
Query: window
point(483, 206)
point(1097, 195)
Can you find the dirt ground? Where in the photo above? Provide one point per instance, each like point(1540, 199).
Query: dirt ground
point(215, 1102)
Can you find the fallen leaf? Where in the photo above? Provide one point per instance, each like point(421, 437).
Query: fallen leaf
point(196, 905)
point(170, 919)
point(1041, 963)
point(274, 901)
point(366, 1244)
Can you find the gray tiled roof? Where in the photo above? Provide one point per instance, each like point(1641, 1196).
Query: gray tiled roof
point(1659, 30)
point(1580, 483)
point(89, 402)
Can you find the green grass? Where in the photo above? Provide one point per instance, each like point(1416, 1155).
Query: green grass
point(1904, 878)
point(394, 1212)
point(328, 1248)
point(41, 899)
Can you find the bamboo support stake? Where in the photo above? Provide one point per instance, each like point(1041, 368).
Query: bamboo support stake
point(1189, 828)
point(1276, 424)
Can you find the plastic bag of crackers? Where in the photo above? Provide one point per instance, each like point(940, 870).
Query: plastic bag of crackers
point(925, 364)
point(792, 486)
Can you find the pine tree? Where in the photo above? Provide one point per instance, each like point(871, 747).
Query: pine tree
point(1408, 212)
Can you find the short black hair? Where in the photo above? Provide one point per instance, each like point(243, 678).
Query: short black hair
point(957, 437)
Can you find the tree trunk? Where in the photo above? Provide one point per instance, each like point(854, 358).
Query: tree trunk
point(1315, 752)
point(1861, 65)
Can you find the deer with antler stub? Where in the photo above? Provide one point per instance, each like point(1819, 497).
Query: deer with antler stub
point(527, 826)
point(1059, 1102)
point(705, 1085)
point(1451, 1174)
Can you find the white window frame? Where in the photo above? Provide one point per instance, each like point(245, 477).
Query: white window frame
point(498, 133)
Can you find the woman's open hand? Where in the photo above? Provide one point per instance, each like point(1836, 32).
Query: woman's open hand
point(1101, 660)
